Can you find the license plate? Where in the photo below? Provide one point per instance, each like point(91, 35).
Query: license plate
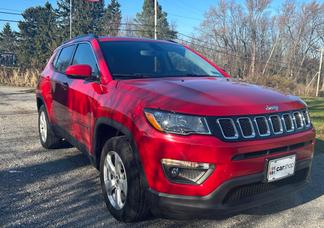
point(281, 168)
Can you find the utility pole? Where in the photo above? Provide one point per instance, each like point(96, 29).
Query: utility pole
point(319, 72)
point(155, 19)
point(70, 19)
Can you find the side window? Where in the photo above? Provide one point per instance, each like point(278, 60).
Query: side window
point(55, 58)
point(64, 58)
point(84, 55)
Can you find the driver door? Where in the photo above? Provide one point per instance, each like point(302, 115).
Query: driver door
point(81, 103)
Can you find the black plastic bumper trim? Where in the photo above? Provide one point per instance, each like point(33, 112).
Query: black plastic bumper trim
point(183, 206)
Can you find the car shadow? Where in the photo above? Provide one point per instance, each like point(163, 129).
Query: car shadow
point(66, 191)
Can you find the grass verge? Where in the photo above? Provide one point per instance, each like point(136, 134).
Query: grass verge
point(316, 109)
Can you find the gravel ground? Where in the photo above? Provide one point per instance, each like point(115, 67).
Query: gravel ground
point(41, 187)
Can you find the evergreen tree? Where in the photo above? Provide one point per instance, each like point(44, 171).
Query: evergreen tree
point(8, 39)
point(38, 35)
point(145, 19)
point(86, 17)
point(112, 19)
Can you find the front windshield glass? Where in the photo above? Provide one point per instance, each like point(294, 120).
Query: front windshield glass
point(139, 59)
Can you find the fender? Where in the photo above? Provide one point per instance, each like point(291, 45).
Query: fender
point(125, 131)
point(39, 96)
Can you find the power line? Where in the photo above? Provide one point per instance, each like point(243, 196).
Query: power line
point(3, 12)
point(19, 11)
point(6, 20)
point(190, 18)
point(199, 44)
point(272, 63)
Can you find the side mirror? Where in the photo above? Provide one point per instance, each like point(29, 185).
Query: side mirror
point(79, 71)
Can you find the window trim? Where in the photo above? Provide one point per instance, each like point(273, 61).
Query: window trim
point(54, 60)
point(59, 53)
point(93, 53)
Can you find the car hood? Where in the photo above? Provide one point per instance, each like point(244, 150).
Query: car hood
point(208, 96)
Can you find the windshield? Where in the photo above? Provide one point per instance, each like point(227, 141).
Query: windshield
point(139, 59)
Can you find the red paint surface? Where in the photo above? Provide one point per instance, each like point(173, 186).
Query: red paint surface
point(77, 108)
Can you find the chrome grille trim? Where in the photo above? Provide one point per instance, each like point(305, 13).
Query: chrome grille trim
point(233, 124)
point(259, 126)
point(252, 128)
point(301, 120)
point(291, 122)
point(280, 123)
point(266, 122)
point(305, 113)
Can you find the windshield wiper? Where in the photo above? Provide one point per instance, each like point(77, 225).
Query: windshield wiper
point(192, 75)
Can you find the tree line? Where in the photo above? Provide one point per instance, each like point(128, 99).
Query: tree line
point(43, 28)
point(253, 41)
point(249, 39)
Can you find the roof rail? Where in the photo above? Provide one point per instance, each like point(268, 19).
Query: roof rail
point(173, 41)
point(80, 37)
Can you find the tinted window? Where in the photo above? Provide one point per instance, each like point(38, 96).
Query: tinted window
point(64, 59)
point(154, 59)
point(84, 55)
point(56, 57)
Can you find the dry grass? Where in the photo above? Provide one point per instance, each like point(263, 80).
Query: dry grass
point(283, 84)
point(19, 77)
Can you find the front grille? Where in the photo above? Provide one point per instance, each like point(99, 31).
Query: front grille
point(288, 122)
point(262, 126)
point(228, 128)
point(276, 124)
point(247, 192)
point(306, 118)
point(246, 127)
point(298, 120)
point(237, 128)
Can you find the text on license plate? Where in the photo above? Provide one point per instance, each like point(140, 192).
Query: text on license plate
point(280, 168)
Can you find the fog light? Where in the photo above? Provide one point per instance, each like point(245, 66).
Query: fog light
point(186, 172)
point(174, 172)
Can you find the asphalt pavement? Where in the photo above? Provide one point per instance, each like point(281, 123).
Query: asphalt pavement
point(55, 188)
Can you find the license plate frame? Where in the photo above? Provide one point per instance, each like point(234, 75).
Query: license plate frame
point(280, 168)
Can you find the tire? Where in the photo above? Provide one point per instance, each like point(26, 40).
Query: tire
point(134, 206)
point(47, 137)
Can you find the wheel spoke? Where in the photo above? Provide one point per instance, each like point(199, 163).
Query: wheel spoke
point(110, 165)
point(123, 185)
point(115, 180)
point(119, 197)
point(43, 126)
point(118, 166)
point(110, 185)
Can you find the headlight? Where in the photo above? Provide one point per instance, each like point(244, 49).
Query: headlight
point(176, 123)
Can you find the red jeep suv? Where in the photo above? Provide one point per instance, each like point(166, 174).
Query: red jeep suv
point(170, 131)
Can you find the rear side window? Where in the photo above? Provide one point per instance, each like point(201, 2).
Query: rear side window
point(84, 55)
point(55, 58)
point(64, 58)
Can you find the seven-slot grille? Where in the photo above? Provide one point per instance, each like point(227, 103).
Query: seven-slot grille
point(260, 126)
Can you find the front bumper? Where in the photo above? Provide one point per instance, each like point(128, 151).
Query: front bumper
point(232, 196)
point(231, 159)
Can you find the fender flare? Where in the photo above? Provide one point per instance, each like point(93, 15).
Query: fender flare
point(125, 131)
point(39, 96)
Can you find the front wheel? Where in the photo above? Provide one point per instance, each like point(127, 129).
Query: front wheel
point(122, 185)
